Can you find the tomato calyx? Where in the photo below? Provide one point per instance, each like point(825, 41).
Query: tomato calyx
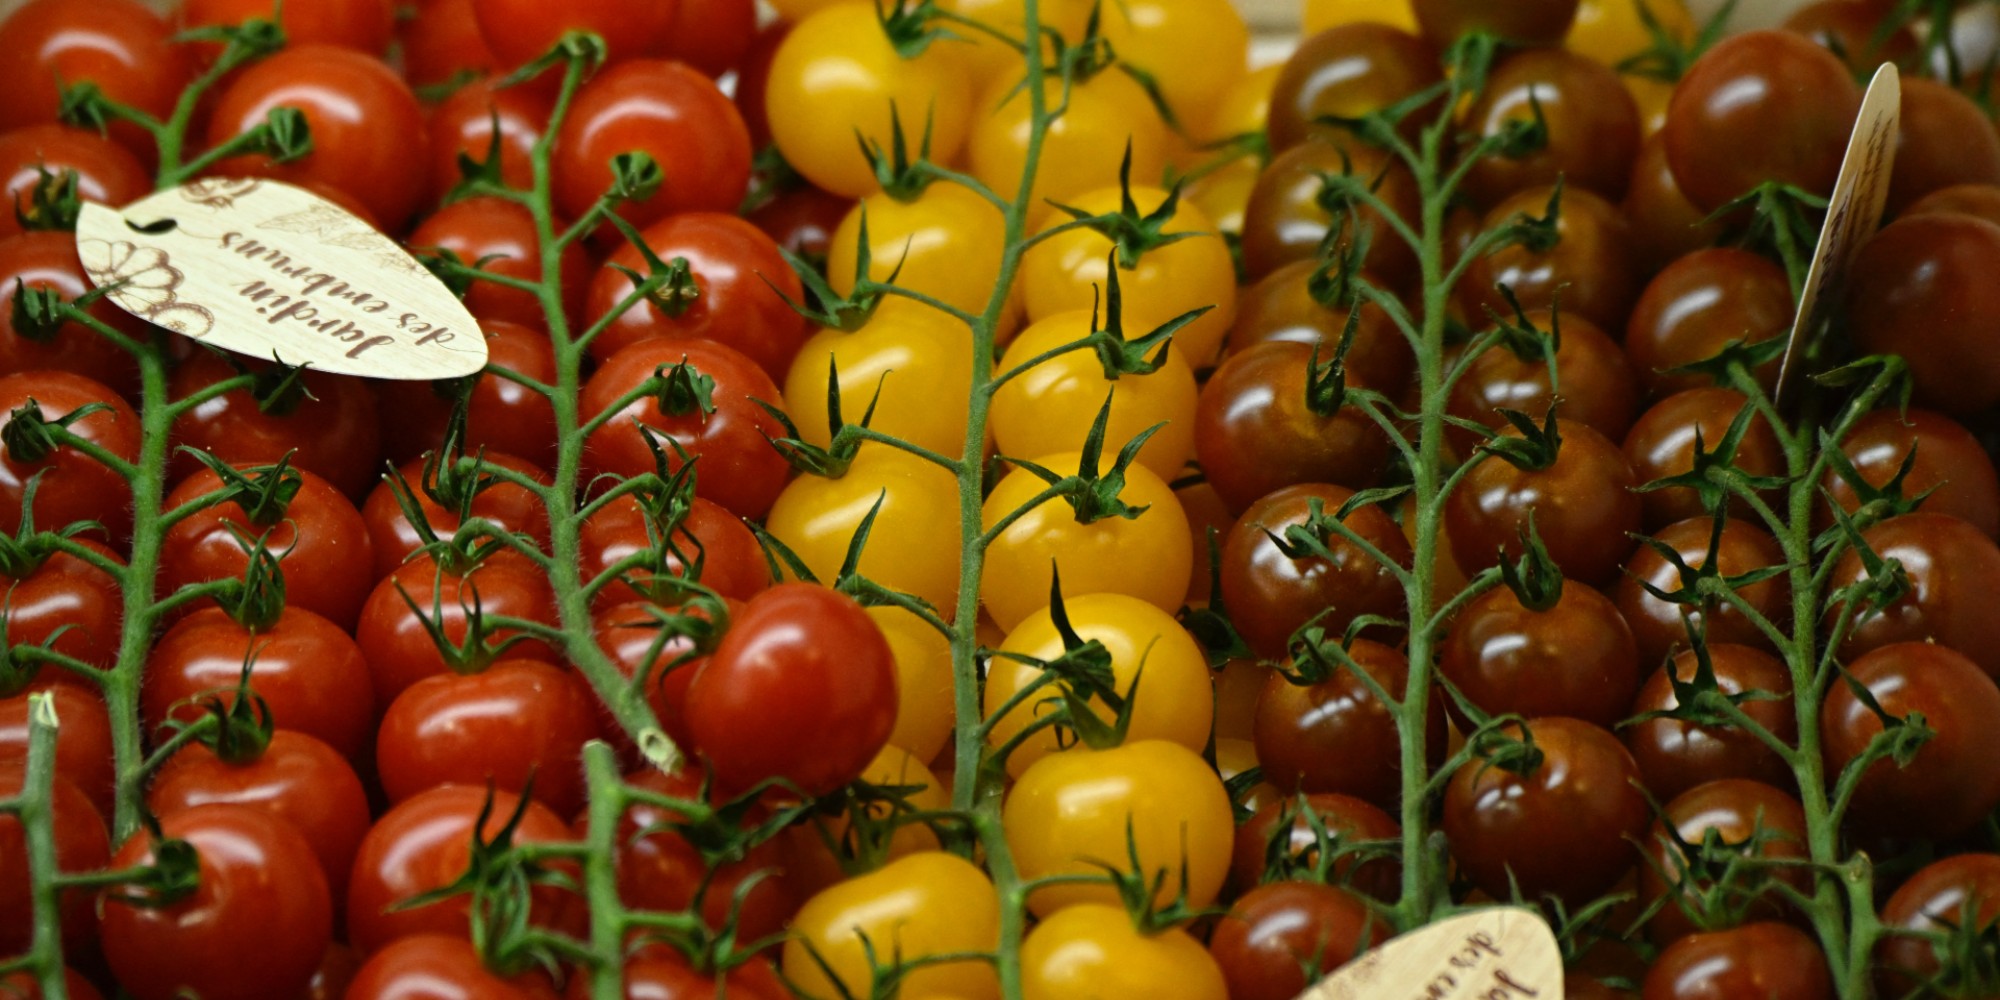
point(1875, 503)
point(1967, 951)
point(867, 817)
point(1704, 586)
point(1700, 699)
point(1132, 233)
point(1508, 746)
point(31, 437)
point(256, 599)
point(478, 649)
point(1785, 222)
point(1121, 356)
point(1137, 892)
point(1535, 579)
point(1082, 672)
point(910, 26)
point(263, 492)
point(1716, 882)
point(822, 306)
point(174, 873)
point(832, 461)
point(1092, 496)
point(682, 390)
point(1210, 623)
point(53, 204)
point(500, 877)
point(1534, 446)
point(901, 177)
point(1667, 56)
point(1713, 475)
point(237, 729)
point(1332, 857)
point(39, 314)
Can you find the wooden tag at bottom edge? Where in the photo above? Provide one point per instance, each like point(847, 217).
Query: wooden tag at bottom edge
point(1502, 953)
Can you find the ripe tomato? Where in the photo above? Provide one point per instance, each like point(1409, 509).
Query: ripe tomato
point(1661, 445)
point(990, 58)
point(710, 35)
point(49, 260)
point(802, 687)
point(1345, 817)
point(1761, 106)
point(255, 926)
point(1575, 658)
point(1049, 408)
point(1592, 271)
point(925, 904)
point(83, 743)
point(1741, 548)
point(1282, 306)
point(508, 505)
point(1094, 947)
point(106, 173)
point(1335, 735)
point(1583, 506)
point(519, 30)
point(440, 43)
point(296, 778)
point(519, 725)
point(630, 634)
point(1944, 139)
point(836, 76)
point(1949, 564)
point(497, 235)
point(732, 563)
point(308, 670)
point(1599, 386)
point(1271, 594)
point(914, 358)
point(322, 544)
point(502, 417)
point(1148, 556)
point(1937, 899)
point(398, 645)
point(1954, 780)
point(741, 284)
point(1754, 818)
point(1665, 224)
point(1565, 826)
point(1281, 938)
point(1193, 48)
point(441, 967)
point(350, 102)
point(1076, 812)
point(1286, 222)
point(73, 486)
point(913, 546)
point(817, 849)
point(466, 125)
point(946, 243)
point(738, 467)
point(660, 867)
point(667, 110)
point(82, 845)
point(1256, 429)
point(924, 682)
point(1174, 699)
point(1529, 23)
point(1592, 124)
point(66, 604)
point(1949, 467)
point(423, 844)
point(1676, 755)
point(1916, 285)
point(1082, 151)
point(1698, 305)
point(1349, 70)
point(1771, 961)
point(119, 45)
point(329, 428)
point(363, 25)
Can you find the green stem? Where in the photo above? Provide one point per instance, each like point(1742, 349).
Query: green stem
point(600, 872)
point(141, 612)
point(35, 809)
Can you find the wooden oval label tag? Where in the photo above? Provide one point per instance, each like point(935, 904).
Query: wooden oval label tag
point(1503, 953)
point(274, 271)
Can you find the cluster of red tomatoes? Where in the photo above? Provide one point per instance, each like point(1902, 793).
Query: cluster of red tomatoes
point(433, 649)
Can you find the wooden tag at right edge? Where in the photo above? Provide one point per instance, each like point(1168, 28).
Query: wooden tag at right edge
point(1498, 953)
point(1852, 213)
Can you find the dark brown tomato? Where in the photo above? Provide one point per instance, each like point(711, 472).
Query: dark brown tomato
point(503, 415)
point(1527, 22)
point(1205, 513)
point(65, 604)
point(1762, 106)
point(1944, 140)
point(1922, 288)
point(396, 639)
point(1347, 820)
point(1676, 755)
point(1335, 735)
point(307, 669)
point(1258, 428)
point(1661, 445)
point(731, 562)
point(82, 845)
point(465, 125)
point(321, 542)
point(1350, 71)
point(508, 505)
point(1271, 594)
point(1951, 567)
point(1592, 123)
point(329, 427)
point(1286, 220)
point(106, 173)
point(1752, 820)
point(1954, 779)
point(1764, 961)
point(1565, 826)
point(498, 236)
point(1599, 389)
point(73, 486)
point(1281, 306)
point(1697, 306)
point(1950, 468)
point(1977, 200)
point(802, 220)
point(1592, 271)
point(1741, 548)
point(48, 260)
point(83, 741)
point(1853, 30)
point(1574, 659)
point(517, 724)
point(1962, 891)
point(1280, 938)
point(1577, 987)
point(1583, 505)
point(1665, 224)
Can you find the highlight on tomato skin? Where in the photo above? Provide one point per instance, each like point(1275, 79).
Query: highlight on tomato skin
point(1157, 506)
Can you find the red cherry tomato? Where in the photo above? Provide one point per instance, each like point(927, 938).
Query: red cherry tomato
point(1769, 961)
point(119, 45)
point(440, 967)
point(1939, 898)
point(1583, 506)
point(106, 173)
point(67, 604)
point(1676, 755)
point(329, 429)
point(1352, 820)
point(509, 506)
point(1575, 658)
point(398, 646)
point(732, 563)
point(464, 124)
point(73, 486)
point(1740, 548)
point(519, 31)
point(1954, 779)
point(441, 43)
point(363, 25)
point(1271, 595)
point(665, 109)
point(49, 260)
point(1762, 106)
point(1336, 736)
point(322, 543)
point(711, 35)
point(1267, 943)
point(514, 724)
point(1951, 566)
point(498, 235)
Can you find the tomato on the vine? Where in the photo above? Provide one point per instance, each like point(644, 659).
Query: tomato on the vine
point(321, 542)
point(81, 845)
point(902, 361)
point(441, 967)
point(1953, 780)
point(309, 671)
point(667, 110)
point(521, 30)
point(518, 725)
point(913, 543)
point(72, 486)
point(120, 46)
point(1093, 948)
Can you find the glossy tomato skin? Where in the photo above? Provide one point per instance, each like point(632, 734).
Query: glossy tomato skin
point(1950, 566)
point(1257, 432)
point(1336, 736)
point(396, 642)
point(913, 544)
point(1583, 505)
point(1954, 779)
point(1348, 70)
point(1661, 445)
point(1699, 304)
point(1592, 271)
point(1271, 595)
point(518, 725)
point(83, 743)
point(741, 280)
point(440, 43)
point(1599, 387)
point(804, 664)
point(498, 235)
point(466, 124)
point(732, 563)
point(503, 416)
point(1949, 467)
point(73, 487)
point(1282, 306)
point(362, 25)
point(119, 45)
point(1051, 406)
point(1592, 122)
point(901, 361)
point(711, 35)
point(1740, 548)
point(518, 31)
point(1943, 139)
point(69, 605)
point(1285, 221)
point(925, 904)
point(307, 669)
point(1280, 938)
point(440, 967)
point(256, 925)
point(738, 468)
point(946, 243)
point(1665, 225)
point(333, 433)
point(1940, 896)
point(1762, 821)
point(1917, 283)
point(48, 260)
point(669, 111)
point(1535, 22)
point(1575, 658)
point(106, 173)
point(321, 542)
point(420, 845)
point(82, 845)
point(507, 504)
point(1676, 755)
point(1566, 827)
point(1094, 946)
point(350, 101)
point(1762, 106)
point(1767, 960)
point(1849, 30)
point(1344, 816)
point(296, 778)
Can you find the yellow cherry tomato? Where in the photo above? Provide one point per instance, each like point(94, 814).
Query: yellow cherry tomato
point(924, 705)
point(1651, 95)
point(1244, 107)
point(1175, 700)
point(1050, 407)
point(812, 863)
point(1071, 811)
point(1233, 756)
point(1148, 557)
point(1092, 950)
point(947, 244)
point(836, 75)
point(1194, 49)
point(1224, 195)
point(919, 358)
point(913, 546)
point(990, 59)
point(1083, 148)
point(926, 904)
point(1320, 15)
point(1068, 272)
point(799, 10)
point(1612, 31)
